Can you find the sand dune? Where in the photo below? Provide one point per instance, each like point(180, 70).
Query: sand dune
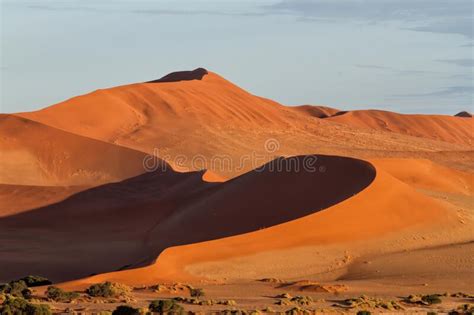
point(316, 111)
point(437, 127)
point(19, 198)
point(361, 217)
point(147, 214)
point(76, 202)
point(35, 154)
point(425, 174)
point(209, 116)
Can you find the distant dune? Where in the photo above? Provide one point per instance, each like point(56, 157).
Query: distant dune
point(436, 127)
point(316, 111)
point(210, 115)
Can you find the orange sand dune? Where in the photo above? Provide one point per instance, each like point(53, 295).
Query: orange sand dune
point(140, 217)
point(437, 127)
point(35, 154)
point(207, 115)
point(316, 111)
point(425, 174)
point(364, 216)
point(26, 197)
point(125, 225)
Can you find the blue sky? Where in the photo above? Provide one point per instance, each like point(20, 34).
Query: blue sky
point(411, 56)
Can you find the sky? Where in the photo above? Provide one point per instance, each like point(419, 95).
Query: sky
point(409, 56)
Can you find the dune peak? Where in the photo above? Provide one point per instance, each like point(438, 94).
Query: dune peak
point(196, 74)
point(464, 114)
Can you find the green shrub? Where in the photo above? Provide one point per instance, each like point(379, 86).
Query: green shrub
point(17, 289)
point(126, 310)
point(431, 299)
point(302, 300)
point(17, 305)
point(108, 290)
point(296, 311)
point(59, 295)
point(36, 281)
point(423, 299)
point(165, 306)
point(197, 293)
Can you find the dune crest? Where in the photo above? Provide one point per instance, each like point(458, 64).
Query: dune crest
point(436, 127)
point(464, 114)
point(196, 74)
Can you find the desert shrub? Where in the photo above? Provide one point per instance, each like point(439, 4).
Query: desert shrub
point(283, 302)
point(431, 299)
point(369, 302)
point(17, 305)
point(17, 289)
point(423, 299)
point(206, 302)
point(297, 311)
point(165, 307)
point(462, 295)
point(431, 313)
point(108, 290)
point(233, 312)
point(302, 300)
point(126, 310)
point(36, 281)
point(196, 292)
point(466, 308)
point(363, 313)
point(59, 295)
point(268, 309)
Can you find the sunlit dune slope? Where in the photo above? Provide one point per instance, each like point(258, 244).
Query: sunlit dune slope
point(35, 154)
point(437, 127)
point(15, 199)
point(425, 174)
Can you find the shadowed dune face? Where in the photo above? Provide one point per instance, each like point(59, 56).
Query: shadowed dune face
point(138, 218)
point(196, 74)
point(464, 114)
